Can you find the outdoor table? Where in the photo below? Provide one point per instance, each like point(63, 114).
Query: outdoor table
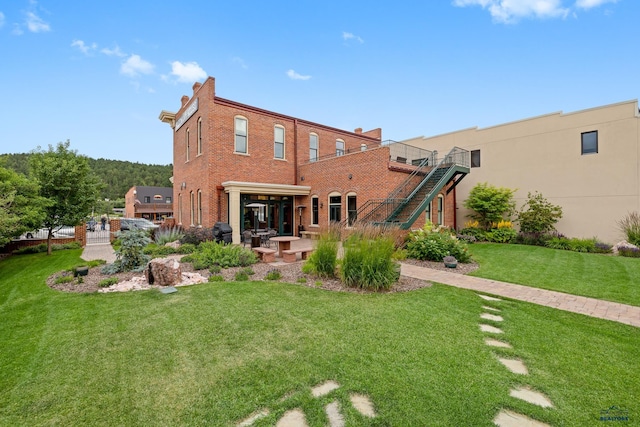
point(284, 243)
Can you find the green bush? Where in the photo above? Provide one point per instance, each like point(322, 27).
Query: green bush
point(216, 278)
point(502, 235)
point(368, 264)
point(209, 253)
point(629, 252)
point(489, 203)
point(582, 245)
point(273, 274)
point(558, 243)
point(156, 251)
point(324, 259)
point(630, 226)
point(186, 248)
point(241, 276)
point(42, 247)
point(478, 233)
point(105, 283)
point(533, 239)
point(130, 255)
point(63, 279)
point(538, 215)
point(427, 244)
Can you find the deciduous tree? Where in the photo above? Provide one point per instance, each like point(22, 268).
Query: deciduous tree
point(490, 204)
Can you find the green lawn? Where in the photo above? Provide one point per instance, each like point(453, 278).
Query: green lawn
point(607, 277)
point(215, 353)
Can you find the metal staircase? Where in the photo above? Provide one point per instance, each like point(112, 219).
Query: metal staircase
point(409, 200)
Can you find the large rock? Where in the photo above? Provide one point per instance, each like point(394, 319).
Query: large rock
point(163, 272)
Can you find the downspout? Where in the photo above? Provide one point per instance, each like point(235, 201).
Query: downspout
point(295, 171)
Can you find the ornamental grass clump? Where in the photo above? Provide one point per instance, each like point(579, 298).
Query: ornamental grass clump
point(630, 226)
point(324, 259)
point(368, 264)
point(168, 235)
point(434, 243)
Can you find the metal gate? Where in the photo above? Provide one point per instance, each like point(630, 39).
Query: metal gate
point(95, 233)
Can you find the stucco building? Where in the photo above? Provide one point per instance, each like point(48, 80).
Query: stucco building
point(588, 162)
point(228, 155)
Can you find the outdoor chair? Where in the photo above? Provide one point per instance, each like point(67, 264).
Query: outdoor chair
point(246, 237)
point(272, 233)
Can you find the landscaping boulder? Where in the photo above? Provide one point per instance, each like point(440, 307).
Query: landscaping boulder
point(163, 272)
point(174, 245)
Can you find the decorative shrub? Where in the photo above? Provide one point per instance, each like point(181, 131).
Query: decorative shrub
point(216, 278)
point(273, 274)
point(156, 251)
point(323, 260)
point(186, 248)
point(538, 215)
point(301, 280)
point(42, 247)
point(368, 264)
point(209, 253)
point(466, 238)
point(241, 276)
point(215, 269)
point(533, 239)
point(167, 235)
point(489, 203)
point(249, 271)
point(435, 244)
point(629, 252)
point(558, 243)
point(105, 283)
point(130, 256)
point(477, 234)
point(63, 279)
point(502, 235)
point(630, 226)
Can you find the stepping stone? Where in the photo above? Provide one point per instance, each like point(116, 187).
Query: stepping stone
point(253, 418)
point(324, 388)
point(486, 307)
point(363, 405)
point(531, 396)
point(493, 317)
point(512, 419)
point(515, 366)
point(496, 343)
point(293, 418)
point(334, 415)
point(488, 298)
point(491, 329)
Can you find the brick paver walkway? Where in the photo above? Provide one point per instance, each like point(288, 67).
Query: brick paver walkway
point(623, 313)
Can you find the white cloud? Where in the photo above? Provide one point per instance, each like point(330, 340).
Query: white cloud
point(511, 11)
point(113, 52)
point(588, 4)
point(240, 62)
point(1, 19)
point(82, 47)
point(295, 76)
point(350, 36)
point(187, 72)
point(35, 24)
point(135, 65)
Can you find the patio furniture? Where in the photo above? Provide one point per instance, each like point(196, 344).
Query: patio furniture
point(246, 237)
point(284, 243)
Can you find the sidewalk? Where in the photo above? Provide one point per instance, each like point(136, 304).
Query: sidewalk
point(623, 313)
point(99, 251)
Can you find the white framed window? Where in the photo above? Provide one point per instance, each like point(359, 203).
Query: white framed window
point(335, 207)
point(313, 147)
point(179, 208)
point(315, 206)
point(440, 209)
point(278, 144)
point(187, 145)
point(199, 136)
point(427, 212)
point(241, 135)
point(339, 147)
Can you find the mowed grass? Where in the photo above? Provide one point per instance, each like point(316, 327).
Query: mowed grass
point(215, 353)
point(607, 277)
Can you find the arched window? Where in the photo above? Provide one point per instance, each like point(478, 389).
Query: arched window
point(187, 145)
point(314, 210)
point(192, 209)
point(335, 207)
point(199, 135)
point(241, 135)
point(352, 208)
point(199, 207)
point(278, 144)
point(427, 212)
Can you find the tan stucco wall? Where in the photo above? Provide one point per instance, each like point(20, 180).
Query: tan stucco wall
point(544, 154)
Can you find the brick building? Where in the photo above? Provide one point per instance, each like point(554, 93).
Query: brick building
point(152, 203)
point(228, 155)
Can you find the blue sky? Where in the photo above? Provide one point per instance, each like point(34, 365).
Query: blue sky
point(99, 73)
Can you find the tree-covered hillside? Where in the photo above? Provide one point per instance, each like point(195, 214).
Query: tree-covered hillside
point(117, 175)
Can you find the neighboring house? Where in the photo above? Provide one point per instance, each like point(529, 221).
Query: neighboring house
point(152, 203)
point(227, 156)
point(588, 162)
